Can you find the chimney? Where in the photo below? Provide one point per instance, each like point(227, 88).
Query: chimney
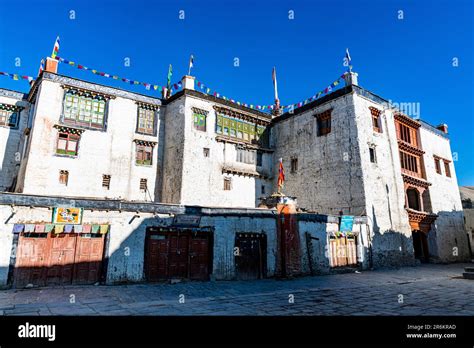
point(188, 82)
point(443, 128)
point(351, 78)
point(51, 65)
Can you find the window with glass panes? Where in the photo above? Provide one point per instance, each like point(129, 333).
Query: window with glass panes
point(84, 110)
point(199, 120)
point(144, 154)
point(146, 121)
point(8, 116)
point(67, 144)
point(237, 128)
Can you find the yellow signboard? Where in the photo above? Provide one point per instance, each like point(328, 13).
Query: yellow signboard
point(63, 215)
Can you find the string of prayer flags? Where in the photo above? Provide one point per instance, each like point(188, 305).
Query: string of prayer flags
point(289, 107)
point(17, 77)
point(149, 86)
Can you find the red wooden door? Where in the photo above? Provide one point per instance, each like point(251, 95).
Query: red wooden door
point(31, 260)
point(156, 258)
point(88, 259)
point(178, 254)
point(61, 258)
point(199, 258)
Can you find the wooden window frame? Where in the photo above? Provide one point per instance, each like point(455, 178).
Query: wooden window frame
point(323, 121)
point(64, 177)
point(227, 183)
point(106, 181)
point(6, 117)
point(411, 164)
point(143, 184)
point(146, 121)
point(69, 138)
point(375, 113)
point(437, 162)
point(141, 154)
point(447, 169)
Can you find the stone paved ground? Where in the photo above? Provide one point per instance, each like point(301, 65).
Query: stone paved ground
point(426, 290)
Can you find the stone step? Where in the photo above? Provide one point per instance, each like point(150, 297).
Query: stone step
point(468, 275)
point(469, 269)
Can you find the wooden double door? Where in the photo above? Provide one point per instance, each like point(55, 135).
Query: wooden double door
point(177, 254)
point(56, 259)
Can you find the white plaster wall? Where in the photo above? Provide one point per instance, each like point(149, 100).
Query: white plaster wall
point(11, 144)
point(319, 250)
point(173, 151)
point(110, 152)
point(448, 235)
point(383, 187)
point(329, 177)
point(202, 180)
point(224, 241)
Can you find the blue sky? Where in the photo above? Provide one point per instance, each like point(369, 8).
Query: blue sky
point(404, 60)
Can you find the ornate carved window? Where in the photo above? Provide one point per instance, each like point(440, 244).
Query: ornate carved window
point(68, 140)
point(9, 115)
point(144, 152)
point(146, 119)
point(82, 108)
point(199, 119)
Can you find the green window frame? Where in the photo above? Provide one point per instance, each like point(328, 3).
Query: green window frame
point(83, 110)
point(199, 121)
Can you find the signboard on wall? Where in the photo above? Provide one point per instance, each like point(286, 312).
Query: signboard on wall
point(63, 215)
point(187, 220)
point(347, 222)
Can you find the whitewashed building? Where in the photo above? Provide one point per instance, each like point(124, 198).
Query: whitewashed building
point(133, 158)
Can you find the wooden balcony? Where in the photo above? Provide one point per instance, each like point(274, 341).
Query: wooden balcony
point(420, 220)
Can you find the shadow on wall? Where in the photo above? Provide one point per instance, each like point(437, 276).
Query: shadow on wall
point(10, 165)
point(48, 259)
point(448, 238)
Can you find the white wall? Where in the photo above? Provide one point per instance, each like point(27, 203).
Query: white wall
point(383, 186)
point(329, 176)
point(190, 177)
point(110, 152)
point(11, 140)
point(448, 232)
